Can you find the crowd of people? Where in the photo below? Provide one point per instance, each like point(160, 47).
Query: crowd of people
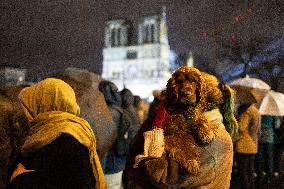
point(190, 136)
point(259, 147)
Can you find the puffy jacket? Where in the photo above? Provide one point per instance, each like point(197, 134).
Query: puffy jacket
point(268, 124)
point(249, 127)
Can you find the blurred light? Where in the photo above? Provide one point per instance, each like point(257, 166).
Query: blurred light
point(21, 78)
point(150, 99)
point(233, 38)
point(204, 34)
point(237, 18)
point(249, 11)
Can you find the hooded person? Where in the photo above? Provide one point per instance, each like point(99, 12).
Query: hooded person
point(246, 146)
point(113, 162)
point(128, 105)
point(60, 151)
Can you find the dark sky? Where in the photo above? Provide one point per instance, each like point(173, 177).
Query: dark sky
point(46, 35)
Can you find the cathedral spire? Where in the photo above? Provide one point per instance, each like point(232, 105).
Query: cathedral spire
point(163, 27)
point(164, 13)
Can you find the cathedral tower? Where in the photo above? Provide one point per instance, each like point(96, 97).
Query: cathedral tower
point(145, 63)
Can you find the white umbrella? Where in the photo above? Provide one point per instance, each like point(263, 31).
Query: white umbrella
point(272, 104)
point(251, 83)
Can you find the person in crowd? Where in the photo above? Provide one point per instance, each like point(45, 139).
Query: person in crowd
point(128, 105)
point(60, 151)
point(198, 149)
point(265, 156)
point(136, 146)
point(114, 161)
point(135, 122)
point(279, 150)
point(141, 108)
point(246, 145)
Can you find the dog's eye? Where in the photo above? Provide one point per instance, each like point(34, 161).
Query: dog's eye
point(187, 77)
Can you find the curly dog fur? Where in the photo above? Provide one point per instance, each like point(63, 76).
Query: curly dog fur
point(185, 123)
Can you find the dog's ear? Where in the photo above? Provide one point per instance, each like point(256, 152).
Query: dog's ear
point(171, 90)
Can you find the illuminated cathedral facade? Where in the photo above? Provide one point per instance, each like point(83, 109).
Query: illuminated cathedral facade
point(141, 66)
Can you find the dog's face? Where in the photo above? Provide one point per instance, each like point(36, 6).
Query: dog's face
point(186, 89)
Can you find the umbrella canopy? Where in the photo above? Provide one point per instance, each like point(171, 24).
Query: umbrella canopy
point(249, 95)
point(272, 104)
point(251, 83)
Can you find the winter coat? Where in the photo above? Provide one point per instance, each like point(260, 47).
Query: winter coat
point(216, 160)
point(127, 99)
point(128, 124)
point(280, 132)
point(64, 158)
point(249, 127)
point(115, 159)
point(268, 124)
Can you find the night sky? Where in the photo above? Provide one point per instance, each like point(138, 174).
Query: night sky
point(48, 35)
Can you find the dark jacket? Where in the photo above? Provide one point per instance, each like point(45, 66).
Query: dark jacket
point(114, 160)
point(64, 163)
point(280, 132)
point(128, 105)
point(268, 125)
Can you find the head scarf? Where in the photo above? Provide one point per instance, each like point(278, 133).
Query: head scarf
point(51, 107)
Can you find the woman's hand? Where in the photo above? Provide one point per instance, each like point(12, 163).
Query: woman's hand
point(19, 170)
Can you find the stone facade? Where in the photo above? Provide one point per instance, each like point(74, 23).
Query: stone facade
point(141, 67)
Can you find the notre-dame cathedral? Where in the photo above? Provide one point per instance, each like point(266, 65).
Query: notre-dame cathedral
point(141, 65)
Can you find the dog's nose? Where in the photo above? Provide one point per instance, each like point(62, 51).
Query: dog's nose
point(187, 92)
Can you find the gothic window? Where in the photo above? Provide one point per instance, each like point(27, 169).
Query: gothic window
point(113, 37)
point(152, 32)
point(118, 42)
point(116, 37)
point(116, 33)
point(149, 33)
point(146, 34)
